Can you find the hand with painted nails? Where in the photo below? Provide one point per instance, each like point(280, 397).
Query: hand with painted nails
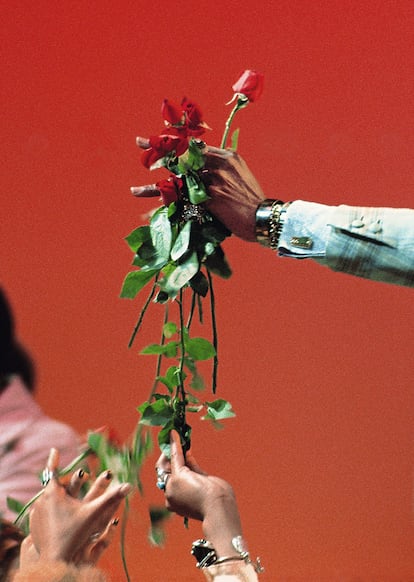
point(65, 528)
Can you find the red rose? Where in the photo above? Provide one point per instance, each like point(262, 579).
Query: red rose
point(172, 113)
point(162, 145)
point(194, 116)
point(170, 189)
point(110, 435)
point(249, 84)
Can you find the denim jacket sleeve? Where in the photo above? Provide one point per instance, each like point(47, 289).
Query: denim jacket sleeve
point(374, 243)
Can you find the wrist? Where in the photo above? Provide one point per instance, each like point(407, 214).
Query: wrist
point(221, 524)
point(270, 218)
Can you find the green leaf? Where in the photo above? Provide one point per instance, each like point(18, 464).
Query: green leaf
point(194, 408)
point(199, 284)
point(142, 446)
point(199, 348)
point(195, 159)
point(138, 236)
point(182, 242)
point(191, 398)
point(173, 375)
point(158, 396)
point(162, 297)
point(196, 190)
point(214, 232)
point(164, 438)
point(169, 329)
point(197, 382)
point(135, 281)
point(95, 441)
point(161, 236)
point(157, 413)
point(217, 263)
point(172, 378)
point(158, 517)
point(169, 349)
point(219, 410)
point(14, 505)
point(146, 255)
point(181, 275)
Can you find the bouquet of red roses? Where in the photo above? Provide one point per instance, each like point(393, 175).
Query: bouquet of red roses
point(179, 251)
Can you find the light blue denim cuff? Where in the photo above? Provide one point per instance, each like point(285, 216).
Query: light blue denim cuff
point(305, 230)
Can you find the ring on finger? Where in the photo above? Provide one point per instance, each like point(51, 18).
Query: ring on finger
point(47, 476)
point(162, 478)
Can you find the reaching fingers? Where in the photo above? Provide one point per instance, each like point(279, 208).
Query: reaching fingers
point(99, 486)
point(53, 460)
point(99, 543)
point(77, 480)
point(103, 508)
point(143, 143)
point(50, 472)
point(148, 191)
point(177, 455)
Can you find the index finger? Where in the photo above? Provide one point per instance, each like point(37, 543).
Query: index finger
point(177, 455)
point(53, 460)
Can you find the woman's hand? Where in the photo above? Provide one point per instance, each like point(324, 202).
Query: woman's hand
point(190, 492)
point(63, 528)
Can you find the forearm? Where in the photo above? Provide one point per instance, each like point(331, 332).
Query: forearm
point(237, 571)
point(45, 571)
point(374, 243)
point(222, 527)
point(221, 524)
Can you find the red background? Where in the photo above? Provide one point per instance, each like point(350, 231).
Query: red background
point(318, 365)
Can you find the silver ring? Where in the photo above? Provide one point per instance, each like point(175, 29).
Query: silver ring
point(162, 478)
point(47, 475)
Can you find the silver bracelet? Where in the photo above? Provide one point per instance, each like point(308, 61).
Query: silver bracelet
point(206, 556)
point(270, 221)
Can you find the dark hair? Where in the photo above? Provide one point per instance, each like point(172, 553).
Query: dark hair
point(14, 359)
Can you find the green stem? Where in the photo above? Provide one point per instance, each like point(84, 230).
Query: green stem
point(26, 507)
point(123, 538)
point(200, 309)
point(159, 359)
point(214, 326)
point(182, 347)
point(143, 310)
point(240, 104)
point(69, 468)
point(192, 308)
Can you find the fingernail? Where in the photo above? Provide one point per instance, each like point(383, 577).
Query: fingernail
point(108, 475)
point(143, 143)
point(145, 191)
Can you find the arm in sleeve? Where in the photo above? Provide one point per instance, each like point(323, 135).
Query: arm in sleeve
point(373, 243)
